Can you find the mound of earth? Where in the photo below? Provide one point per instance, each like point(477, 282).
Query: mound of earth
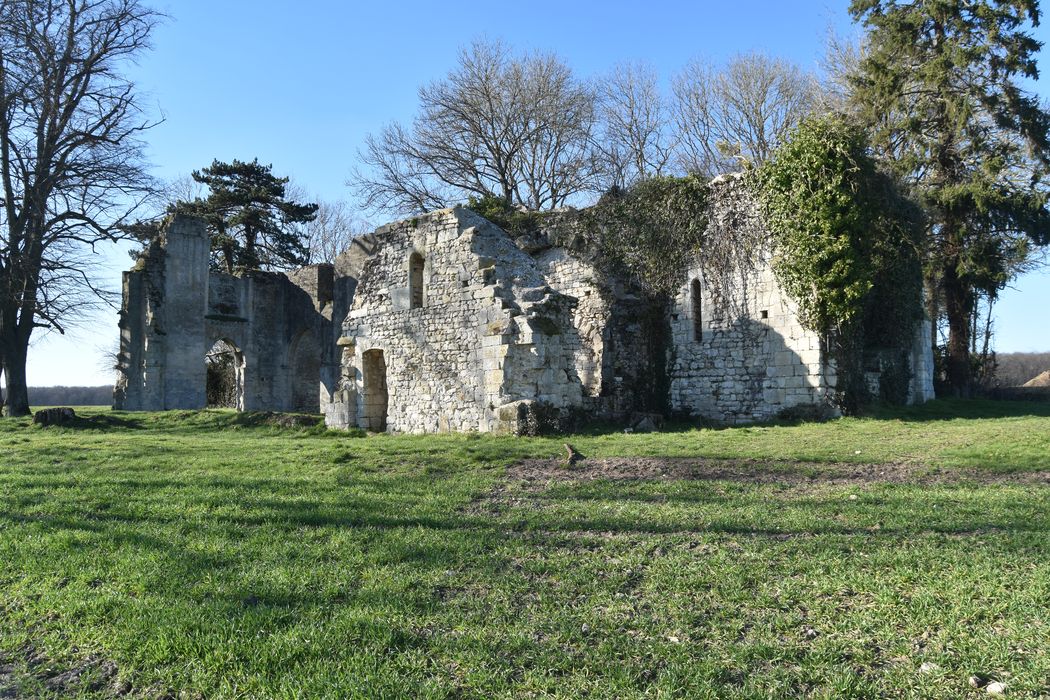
point(1042, 380)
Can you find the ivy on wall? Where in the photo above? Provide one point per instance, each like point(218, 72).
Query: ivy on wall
point(652, 232)
point(844, 239)
point(846, 246)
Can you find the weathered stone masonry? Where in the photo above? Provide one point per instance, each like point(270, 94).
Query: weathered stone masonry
point(174, 310)
point(488, 335)
point(446, 323)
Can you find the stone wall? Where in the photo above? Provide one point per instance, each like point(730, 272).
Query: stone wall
point(445, 322)
point(740, 352)
point(512, 322)
point(490, 337)
point(751, 359)
point(623, 335)
point(174, 310)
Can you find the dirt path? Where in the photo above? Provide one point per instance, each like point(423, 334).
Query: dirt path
point(755, 471)
point(92, 674)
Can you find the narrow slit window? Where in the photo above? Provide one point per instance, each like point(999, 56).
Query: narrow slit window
point(415, 280)
point(698, 316)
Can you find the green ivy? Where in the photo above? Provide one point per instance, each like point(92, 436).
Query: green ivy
point(653, 232)
point(846, 244)
point(511, 219)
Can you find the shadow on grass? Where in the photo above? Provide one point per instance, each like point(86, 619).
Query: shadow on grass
point(273, 423)
point(961, 409)
point(440, 544)
point(764, 514)
point(937, 410)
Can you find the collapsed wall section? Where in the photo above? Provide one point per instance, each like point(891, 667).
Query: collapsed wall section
point(174, 311)
point(621, 357)
point(467, 329)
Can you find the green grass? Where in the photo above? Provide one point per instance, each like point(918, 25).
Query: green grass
point(214, 555)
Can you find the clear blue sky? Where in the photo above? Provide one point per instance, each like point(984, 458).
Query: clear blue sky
point(300, 85)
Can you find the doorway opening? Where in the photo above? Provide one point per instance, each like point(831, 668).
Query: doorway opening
point(225, 376)
point(374, 392)
point(306, 374)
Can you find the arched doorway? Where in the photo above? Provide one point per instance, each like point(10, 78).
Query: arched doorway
point(305, 366)
point(225, 376)
point(374, 393)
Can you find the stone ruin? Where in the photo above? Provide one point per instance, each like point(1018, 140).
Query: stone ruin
point(445, 322)
point(282, 328)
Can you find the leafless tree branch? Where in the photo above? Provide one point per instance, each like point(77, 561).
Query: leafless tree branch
point(71, 162)
point(519, 128)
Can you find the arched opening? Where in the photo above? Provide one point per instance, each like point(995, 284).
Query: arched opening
point(415, 280)
point(373, 394)
point(698, 311)
point(305, 365)
point(225, 376)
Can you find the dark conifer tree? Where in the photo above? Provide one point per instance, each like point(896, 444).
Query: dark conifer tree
point(250, 219)
point(940, 88)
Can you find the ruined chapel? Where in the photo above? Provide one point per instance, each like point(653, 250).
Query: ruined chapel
point(446, 322)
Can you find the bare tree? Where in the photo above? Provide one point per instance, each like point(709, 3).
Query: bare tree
point(740, 113)
point(840, 66)
point(70, 160)
point(332, 230)
point(635, 142)
point(182, 189)
point(515, 127)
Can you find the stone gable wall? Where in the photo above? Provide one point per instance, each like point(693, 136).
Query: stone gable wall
point(489, 336)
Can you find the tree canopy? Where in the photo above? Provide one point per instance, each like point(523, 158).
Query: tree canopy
point(940, 90)
point(514, 127)
point(252, 222)
point(71, 163)
point(731, 116)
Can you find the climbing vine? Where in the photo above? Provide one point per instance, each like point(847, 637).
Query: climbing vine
point(662, 228)
point(651, 233)
point(844, 242)
point(845, 245)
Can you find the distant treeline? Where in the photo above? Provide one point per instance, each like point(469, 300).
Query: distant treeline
point(1016, 368)
point(69, 395)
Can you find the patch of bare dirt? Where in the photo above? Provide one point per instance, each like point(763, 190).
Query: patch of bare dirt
point(92, 674)
point(754, 471)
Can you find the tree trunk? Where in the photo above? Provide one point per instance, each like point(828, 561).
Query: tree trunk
point(957, 308)
point(250, 261)
point(15, 374)
point(227, 255)
point(933, 308)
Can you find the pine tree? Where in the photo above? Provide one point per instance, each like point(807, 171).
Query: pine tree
point(250, 219)
point(940, 88)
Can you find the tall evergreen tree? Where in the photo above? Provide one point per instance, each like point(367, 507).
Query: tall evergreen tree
point(250, 219)
point(940, 88)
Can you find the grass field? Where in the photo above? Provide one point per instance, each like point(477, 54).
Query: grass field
point(216, 555)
